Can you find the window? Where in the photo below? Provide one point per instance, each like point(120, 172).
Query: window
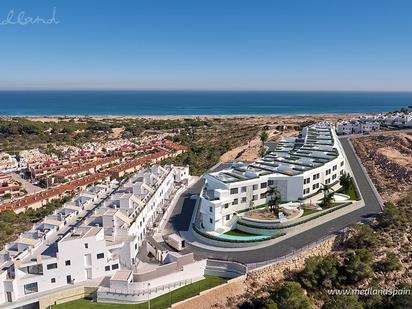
point(100, 256)
point(327, 181)
point(270, 182)
point(315, 186)
point(86, 246)
point(31, 288)
point(335, 167)
point(235, 201)
point(234, 191)
point(67, 263)
point(226, 205)
point(115, 266)
point(342, 163)
point(211, 209)
point(306, 180)
point(306, 191)
point(210, 220)
point(53, 280)
point(69, 279)
point(254, 197)
point(263, 195)
point(244, 199)
point(243, 189)
point(35, 269)
point(255, 187)
point(263, 185)
point(227, 217)
point(328, 172)
point(316, 176)
point(107, 268)
point(51, 266)
point(341, 173)
point(334, 176)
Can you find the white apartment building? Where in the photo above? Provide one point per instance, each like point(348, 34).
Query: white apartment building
point(94, 235)
point(356, 127)
point(297, 168)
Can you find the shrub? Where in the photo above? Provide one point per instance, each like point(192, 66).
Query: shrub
point(290, 295)
point(319, 272)
point(343, 302)
point(364, 237)
point(357, 266)
point(390, 263)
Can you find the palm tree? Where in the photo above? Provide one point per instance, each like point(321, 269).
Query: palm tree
point(264, 136)
point(328, 195)
point(274, 194)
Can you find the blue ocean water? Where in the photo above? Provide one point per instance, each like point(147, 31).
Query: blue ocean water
point(197, 102)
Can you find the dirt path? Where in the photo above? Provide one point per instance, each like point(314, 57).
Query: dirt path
point(250, 151)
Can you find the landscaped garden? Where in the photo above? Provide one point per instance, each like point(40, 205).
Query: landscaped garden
point(238, 233)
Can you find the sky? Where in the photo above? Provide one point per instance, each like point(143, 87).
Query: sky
point(207, 45)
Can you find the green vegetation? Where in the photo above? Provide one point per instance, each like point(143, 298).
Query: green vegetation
point(238, 233)
point(289, 295)
point(363, 236)
point(161, 302)
point(391, 216)
point(343, 302)
point(12, 224)
point(389, 263)
point(307, 211)
point(348, 187)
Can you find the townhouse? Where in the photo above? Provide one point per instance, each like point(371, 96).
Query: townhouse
point(93, 236)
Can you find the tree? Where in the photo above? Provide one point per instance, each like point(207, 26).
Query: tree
point(270, 304)
point(343, 302)
point(363, 237)
point(290, 295)
point(328, 195)
point(319, 272)
point(357, 266)
point(390, 263)
point(274, 198)
point(264, 136)
point(345, 181)
point(262, 151)
point(390, 216)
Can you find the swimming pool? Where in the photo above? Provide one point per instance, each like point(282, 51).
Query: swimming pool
point(235, 237)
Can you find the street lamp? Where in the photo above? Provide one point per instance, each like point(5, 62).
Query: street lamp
point(148, 295)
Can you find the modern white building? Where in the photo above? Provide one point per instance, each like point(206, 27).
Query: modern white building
point(297, 168)
point(93, 236)
point(356, 127)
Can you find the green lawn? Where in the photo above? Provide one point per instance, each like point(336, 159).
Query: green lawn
point(238, 233)
point(161, 302)
point(307, 212)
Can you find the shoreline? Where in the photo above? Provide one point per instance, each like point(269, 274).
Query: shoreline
point(204, 116)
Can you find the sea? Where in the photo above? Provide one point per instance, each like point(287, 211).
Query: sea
point(162, 103)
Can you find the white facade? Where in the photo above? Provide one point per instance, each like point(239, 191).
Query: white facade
point(297, 168)
point(356, 127)
point(94, 235)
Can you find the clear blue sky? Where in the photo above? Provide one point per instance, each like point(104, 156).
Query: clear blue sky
point(209, 44)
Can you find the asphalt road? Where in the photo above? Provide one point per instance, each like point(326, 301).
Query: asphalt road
point(180, 221)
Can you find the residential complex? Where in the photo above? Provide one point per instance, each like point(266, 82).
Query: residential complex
point(97, 234)
point(372, 123)
point(297, 168)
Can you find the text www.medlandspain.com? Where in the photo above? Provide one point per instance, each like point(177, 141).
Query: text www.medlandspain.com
point(370, 291)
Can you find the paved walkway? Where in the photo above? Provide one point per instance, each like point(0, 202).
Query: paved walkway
point(180, 221)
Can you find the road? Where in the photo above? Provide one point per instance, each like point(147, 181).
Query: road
point(180, 221)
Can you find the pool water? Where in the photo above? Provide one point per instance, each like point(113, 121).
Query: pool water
point(235, 237)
